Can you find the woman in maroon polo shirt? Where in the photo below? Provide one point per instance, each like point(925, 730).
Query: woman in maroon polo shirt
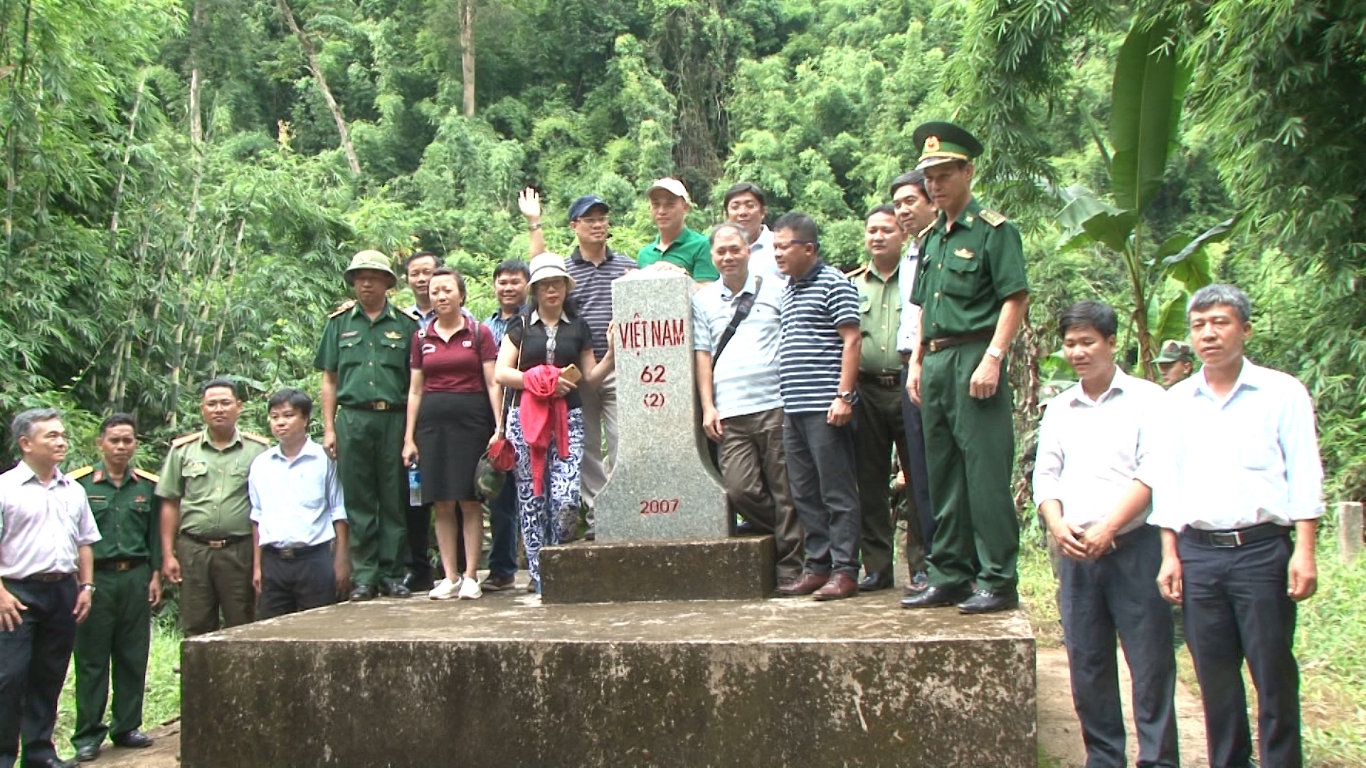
point(453, 408)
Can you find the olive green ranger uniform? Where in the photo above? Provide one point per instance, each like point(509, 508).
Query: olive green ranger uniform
point(968, 268)
point(214, 542)
point(879, 420)
point(119, 627)
point(370, 358)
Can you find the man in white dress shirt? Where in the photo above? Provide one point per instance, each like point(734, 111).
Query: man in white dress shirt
point(747, 206)
point(297, 512)
point(1241, 473)
point(1092, 485)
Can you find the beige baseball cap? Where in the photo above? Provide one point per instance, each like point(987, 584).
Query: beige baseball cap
point(672, 186)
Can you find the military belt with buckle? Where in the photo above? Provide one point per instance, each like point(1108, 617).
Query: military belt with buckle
point(214, 543)
point(1240, 537)
point(887, 380)
point(119, 563)
point(378, 405)
point(944, 342)
point(290, 553)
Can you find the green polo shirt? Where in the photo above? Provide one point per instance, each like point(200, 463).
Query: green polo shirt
point(879, 306)
point(370, 357)
point(691, 251)
point(967, 270)
point(127, 515)
point(211, 483)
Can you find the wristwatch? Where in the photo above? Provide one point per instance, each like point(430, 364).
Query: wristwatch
point(849, 397)
point(87, 587)
point(994, 353)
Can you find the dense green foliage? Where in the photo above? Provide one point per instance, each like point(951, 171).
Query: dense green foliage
point(179, 203)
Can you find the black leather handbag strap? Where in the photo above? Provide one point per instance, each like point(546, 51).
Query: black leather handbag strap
point(742, 307)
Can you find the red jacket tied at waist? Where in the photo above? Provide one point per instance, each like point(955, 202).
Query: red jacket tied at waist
point(543, 414)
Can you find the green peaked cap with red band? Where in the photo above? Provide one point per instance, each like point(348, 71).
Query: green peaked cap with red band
point(941, 142)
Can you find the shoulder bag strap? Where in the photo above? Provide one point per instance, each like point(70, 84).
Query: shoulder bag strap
point(743, 305)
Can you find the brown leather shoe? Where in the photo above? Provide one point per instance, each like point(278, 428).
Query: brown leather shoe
point(840, 586)
point(808, 583)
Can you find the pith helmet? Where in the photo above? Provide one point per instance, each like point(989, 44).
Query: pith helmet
point(1174, 351)
point(371, 260)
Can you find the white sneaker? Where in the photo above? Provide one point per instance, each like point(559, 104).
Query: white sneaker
point(444, 590)
point(469, 590)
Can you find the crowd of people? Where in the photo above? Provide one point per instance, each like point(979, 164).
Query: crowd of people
point(837, 388)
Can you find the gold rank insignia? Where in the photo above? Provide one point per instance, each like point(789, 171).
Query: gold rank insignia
point(932, 144)
point(963, 253)
point(992, 217)
point(392, 335)
point(342, 307)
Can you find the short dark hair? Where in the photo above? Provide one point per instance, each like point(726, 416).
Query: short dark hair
point(512, 266)
point(742, 188)
point(293, 398)
point(220, 383)
point(1215, 294)
point(459, 278)
point(118, 420)
point(801, 225)
point(1089, 314)
point(422, 255)
point(881, 209)
point(914, 178)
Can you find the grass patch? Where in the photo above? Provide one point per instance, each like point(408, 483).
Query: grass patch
point(161, 701)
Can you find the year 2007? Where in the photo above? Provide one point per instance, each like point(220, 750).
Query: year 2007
point(658, 506)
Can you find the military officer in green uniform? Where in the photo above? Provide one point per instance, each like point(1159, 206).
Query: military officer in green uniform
point(972, 290)
point(364, 359)
point(206, 544)
point(127, 588)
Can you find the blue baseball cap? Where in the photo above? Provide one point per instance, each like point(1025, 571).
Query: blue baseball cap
point(581, 206)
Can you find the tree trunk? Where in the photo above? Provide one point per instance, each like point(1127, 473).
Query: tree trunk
point(127, 155)
point(467, 53)
point(196, 76)
point(317, 70)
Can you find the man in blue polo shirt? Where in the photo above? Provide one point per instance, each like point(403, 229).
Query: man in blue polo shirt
point(594, 266)
point(818, 361)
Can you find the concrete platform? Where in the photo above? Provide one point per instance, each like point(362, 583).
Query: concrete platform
point(507, 681)
point(740, 568)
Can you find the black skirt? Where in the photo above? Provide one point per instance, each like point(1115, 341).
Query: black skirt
point(453, 431)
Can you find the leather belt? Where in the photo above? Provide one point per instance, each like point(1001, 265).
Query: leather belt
point(119, 563)
point(944, 342)
point(290, 553)
point(378, 405)
point(1236, 538)
point(45, 578)
point(214, 543)
point(888, 380)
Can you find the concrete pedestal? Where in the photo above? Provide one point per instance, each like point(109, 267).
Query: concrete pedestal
point(739, 568)
point(504, 682)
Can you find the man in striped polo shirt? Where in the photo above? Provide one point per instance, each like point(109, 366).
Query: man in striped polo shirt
point(593, 266)
point(742, 407)
point(818, 361)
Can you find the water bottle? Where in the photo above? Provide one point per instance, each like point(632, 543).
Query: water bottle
point(414, 486)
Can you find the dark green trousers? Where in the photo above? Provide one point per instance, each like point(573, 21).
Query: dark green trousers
point(118, 631)
point(877, 431)
point(970, 448)
point(374, 482)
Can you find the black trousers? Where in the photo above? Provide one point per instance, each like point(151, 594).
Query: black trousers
point(295, 584)
point(822, 474)
point(917, 472)
point(1118, 594)
point(33, 662)
point(1236, 608)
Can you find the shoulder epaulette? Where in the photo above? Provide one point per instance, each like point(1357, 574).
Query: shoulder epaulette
point(255, 438)
point(77, 474)
point(991, 217)
point(411, 314)
point(863, 270)
point(925, 231)
point(344, 306)
point(145, 475)
point(186, 439)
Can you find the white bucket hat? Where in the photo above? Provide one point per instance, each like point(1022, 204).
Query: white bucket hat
point(547, 266)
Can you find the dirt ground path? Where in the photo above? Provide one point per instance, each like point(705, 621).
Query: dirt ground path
point(1059, 734)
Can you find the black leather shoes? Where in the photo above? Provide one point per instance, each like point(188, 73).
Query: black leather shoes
point(394, 588)
point(133, 739)
point(51, 762)
point(875, 582)
point(983, 601)
point(362, 593)
point(938, 597)
point(920, 581)
point(87, 753)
